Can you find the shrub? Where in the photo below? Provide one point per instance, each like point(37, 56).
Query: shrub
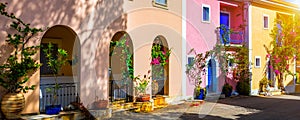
point(227, 90)
point(243, 88)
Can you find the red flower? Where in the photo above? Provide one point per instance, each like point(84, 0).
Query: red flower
point(277, 72)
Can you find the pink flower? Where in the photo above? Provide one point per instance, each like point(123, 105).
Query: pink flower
point(293, 33)
point(155, 61)
point(268, 55)
point(287, 67)
point(286, 57)
point(277, 72)
point(282, 34)
point(277, 60)
point(295, 57)
point(270, 66)
point(127, 42)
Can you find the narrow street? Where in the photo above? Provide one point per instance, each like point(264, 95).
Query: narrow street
point(241, 107)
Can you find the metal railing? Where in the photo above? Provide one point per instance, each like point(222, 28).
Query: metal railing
point(65, 95)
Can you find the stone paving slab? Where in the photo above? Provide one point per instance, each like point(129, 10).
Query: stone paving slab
point(241, 107)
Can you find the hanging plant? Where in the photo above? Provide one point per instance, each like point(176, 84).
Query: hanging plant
point(159, 59)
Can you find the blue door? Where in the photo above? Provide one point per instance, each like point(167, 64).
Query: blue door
point(212, 82)
point(224, 21)
point(210, 76)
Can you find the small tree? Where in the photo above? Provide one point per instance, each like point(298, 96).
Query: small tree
point(197, 69)
point(55, 63)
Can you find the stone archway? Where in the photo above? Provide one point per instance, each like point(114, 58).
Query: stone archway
point(121, 67)
point(65, 38)
point(160, 73)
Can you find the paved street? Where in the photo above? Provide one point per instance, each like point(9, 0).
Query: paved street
point(285, 107)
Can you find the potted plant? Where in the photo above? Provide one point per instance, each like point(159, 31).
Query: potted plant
point(19, 66)
point(200, 92)
point(227, 90)
point(195, 71)
point(141, 87)
point(54, 63)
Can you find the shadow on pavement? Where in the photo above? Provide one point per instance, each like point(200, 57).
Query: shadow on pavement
point(270, 107)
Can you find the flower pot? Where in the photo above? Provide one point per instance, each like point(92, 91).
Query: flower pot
point(100, 104)
point(143, 98)
point(12, 105)
point(53, 109)
point(201, 95)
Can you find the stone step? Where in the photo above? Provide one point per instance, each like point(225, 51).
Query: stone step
point(72, 115)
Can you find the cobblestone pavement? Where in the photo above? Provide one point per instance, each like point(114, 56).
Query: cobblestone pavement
point(284, 107)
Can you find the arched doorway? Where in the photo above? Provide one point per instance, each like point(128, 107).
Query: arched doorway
point(211, 73)
point(61, 37)
point(121, 67)
point(160, 66)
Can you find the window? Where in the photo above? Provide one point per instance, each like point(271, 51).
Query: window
point(266, 21)
point(205, 13)
point(190, 59)
point(45, 70)
point(257, 62)
point(161, 2)
point(57, 43)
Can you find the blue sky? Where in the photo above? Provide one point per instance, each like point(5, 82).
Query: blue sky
point(294, 1)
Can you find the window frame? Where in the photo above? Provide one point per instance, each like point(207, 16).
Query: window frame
point(190, 56)
point(268, 20)
point(259, 58)
point(159, 5)
point(209, 13)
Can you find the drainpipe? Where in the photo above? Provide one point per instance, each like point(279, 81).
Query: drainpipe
point(248, 37)
point(184, 56)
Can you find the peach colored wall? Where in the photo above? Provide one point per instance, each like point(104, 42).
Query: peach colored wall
point(145, 22)
point(95, 25)
point(200, 35)
point(89, 20)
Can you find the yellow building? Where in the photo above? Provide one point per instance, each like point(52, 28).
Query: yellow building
point(261, 20)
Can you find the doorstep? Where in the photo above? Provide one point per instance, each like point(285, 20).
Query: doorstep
point(70, 115)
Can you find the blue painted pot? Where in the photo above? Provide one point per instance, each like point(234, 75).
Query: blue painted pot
point(201, 95)
point(52, 109)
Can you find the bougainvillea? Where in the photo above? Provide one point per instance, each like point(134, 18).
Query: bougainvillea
point(159, 58)
point(284, 47)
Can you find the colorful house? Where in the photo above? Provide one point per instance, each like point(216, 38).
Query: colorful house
point(255, 20)
point(201, 37)
point(85, 29)
point(261, 19)
point(232, 17)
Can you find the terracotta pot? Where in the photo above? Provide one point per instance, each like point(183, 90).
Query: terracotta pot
point(12, 105)
point(143, 98)
point(100, 104)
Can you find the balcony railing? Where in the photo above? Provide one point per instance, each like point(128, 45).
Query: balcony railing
point(66, 94)
point(234, 38)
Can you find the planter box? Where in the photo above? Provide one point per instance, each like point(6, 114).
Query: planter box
point(52, 109)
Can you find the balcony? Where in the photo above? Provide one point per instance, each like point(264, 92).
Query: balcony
point(231, 37)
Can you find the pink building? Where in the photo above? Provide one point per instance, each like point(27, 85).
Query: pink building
point(202, 19)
